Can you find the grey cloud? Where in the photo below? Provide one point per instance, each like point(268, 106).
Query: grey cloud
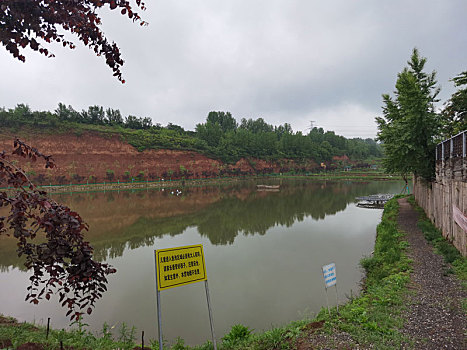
point(285, 61)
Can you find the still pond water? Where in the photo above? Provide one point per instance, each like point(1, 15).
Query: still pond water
point(263, 250)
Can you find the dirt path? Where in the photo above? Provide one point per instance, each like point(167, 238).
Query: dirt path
point(434, 316)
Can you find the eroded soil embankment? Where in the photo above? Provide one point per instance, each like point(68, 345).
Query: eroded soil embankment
point(96, 158)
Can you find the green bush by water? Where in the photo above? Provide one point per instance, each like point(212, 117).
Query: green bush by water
point(239, 334)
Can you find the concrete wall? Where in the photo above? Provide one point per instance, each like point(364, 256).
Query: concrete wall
point(438, 198)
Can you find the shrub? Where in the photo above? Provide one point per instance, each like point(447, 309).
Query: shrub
point(140, 175)
point(110, 175)
point(238, 334)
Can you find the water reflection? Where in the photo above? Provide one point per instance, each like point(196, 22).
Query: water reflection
point(131, 219)
point(263, 250)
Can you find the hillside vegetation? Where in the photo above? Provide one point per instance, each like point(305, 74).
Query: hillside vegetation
point(220, 137)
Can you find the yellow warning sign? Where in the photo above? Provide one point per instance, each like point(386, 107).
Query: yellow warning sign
point(179, 266)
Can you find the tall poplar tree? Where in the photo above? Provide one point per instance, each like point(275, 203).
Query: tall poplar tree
point(410, 125)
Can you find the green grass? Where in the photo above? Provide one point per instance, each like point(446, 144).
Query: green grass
point(240, 337)
point(78, 338)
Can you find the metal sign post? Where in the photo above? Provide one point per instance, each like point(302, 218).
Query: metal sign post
point(210, 315)
point(337, 300)
point(159, 313)
point(177, 267)
point(327, 301)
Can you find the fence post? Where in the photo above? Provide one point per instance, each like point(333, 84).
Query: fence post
point(464, 146)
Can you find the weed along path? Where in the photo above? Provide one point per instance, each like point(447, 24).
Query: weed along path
point(434, 318)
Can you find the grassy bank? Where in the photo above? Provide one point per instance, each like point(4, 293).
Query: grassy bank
point(442, 246)
point(13, 334)
point(372, 318)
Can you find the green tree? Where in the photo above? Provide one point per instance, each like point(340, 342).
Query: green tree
point(176, 128)
point(409, 125)
point(113, 116)
point(455, 111)
point(283, 130)
point(133, 122)
point(210, 132)
point(256, 126)
point(65, 113)
point(95, 115)
point(22, 111)
point(224, 119)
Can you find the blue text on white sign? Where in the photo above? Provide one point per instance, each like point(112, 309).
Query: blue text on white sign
point(329, 274)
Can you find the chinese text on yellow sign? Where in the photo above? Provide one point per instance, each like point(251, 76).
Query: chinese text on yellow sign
point(179, 266)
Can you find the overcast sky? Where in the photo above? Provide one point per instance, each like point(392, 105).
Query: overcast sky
point(283, 60)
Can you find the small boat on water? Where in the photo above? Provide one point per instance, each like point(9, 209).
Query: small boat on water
point(268, 187)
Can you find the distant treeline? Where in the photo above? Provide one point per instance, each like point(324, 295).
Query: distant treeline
point(221, 136)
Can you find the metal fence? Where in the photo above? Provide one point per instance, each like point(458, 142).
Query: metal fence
point(455, 147)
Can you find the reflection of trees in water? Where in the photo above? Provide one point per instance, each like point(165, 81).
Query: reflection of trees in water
point(222, 222)
point(11, 260)
point(239, 209)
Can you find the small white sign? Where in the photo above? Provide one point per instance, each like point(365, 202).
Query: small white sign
point(329, 274)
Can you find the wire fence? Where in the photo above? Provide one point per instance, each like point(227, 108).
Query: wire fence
point(455, 147)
